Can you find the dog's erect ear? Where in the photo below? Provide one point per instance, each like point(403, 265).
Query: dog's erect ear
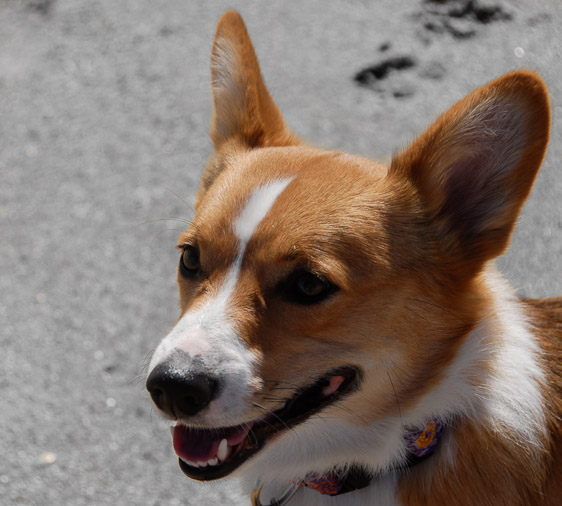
point(243, 110)
point(475, 166)
point(244, 114)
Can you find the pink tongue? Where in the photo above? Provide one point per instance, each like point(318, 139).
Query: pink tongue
point(194, 445)
point(200, 445)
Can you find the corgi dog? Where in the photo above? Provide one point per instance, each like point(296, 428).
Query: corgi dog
point(344, 337)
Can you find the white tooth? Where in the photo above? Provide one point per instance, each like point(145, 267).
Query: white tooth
point(202, 464)
point(223, 450)
point(213, 462)
point(172, 430)
point(192, 464)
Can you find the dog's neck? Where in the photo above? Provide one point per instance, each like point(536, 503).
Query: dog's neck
point(420, 443)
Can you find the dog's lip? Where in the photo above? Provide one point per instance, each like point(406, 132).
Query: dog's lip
point(198, 449)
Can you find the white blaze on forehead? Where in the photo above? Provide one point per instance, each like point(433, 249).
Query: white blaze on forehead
point(257, 207)
point(255, 210)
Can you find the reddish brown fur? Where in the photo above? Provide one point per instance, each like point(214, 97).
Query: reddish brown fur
point(546, 315)
point(408, 265)
point(497, 471)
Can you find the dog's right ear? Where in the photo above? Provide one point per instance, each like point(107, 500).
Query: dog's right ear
point(244, 114)
point(243, 109)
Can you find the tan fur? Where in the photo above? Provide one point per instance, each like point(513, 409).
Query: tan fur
point(407, 254)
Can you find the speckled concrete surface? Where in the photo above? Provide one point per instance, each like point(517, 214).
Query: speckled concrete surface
point(104, 112)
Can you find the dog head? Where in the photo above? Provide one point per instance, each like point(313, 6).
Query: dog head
point(321, 292)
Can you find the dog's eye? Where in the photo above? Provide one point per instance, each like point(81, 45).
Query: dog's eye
point(310, 285)
point(189, 262)
point(305, 287)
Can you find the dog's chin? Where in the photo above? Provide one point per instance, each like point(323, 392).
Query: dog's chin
point(211, 454)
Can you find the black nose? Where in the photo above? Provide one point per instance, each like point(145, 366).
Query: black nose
point(180, 392)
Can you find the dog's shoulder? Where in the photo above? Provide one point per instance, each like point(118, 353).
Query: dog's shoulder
point(546, 317)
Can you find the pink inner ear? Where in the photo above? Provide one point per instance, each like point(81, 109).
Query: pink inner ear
point(474, 193)
point(478, 169)
point(335, 382)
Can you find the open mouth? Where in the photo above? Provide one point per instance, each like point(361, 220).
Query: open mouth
point(210, 454)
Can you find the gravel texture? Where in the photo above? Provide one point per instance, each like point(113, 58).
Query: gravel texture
point(104, 109)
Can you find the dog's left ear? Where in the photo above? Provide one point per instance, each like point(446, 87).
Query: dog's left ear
point(475, 166)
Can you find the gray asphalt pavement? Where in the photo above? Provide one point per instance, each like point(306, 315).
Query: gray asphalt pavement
point(104, 108)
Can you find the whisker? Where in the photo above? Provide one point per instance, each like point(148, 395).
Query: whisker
point(283, 382)
point(286, 383)
point(255, 441)
point(171, 218)
point(189, 206)
point(164, 231)
point(396, 397)
point(272, 413)
point(437, 306)
point(137, 380)
point(268, 423)
point(147, 359)
point(273, 398)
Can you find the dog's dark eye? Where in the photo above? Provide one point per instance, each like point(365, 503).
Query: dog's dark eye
point(310, 285)
point(305, 287)
point(189, 262)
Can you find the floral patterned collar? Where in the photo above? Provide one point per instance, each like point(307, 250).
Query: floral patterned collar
point(420, 444)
